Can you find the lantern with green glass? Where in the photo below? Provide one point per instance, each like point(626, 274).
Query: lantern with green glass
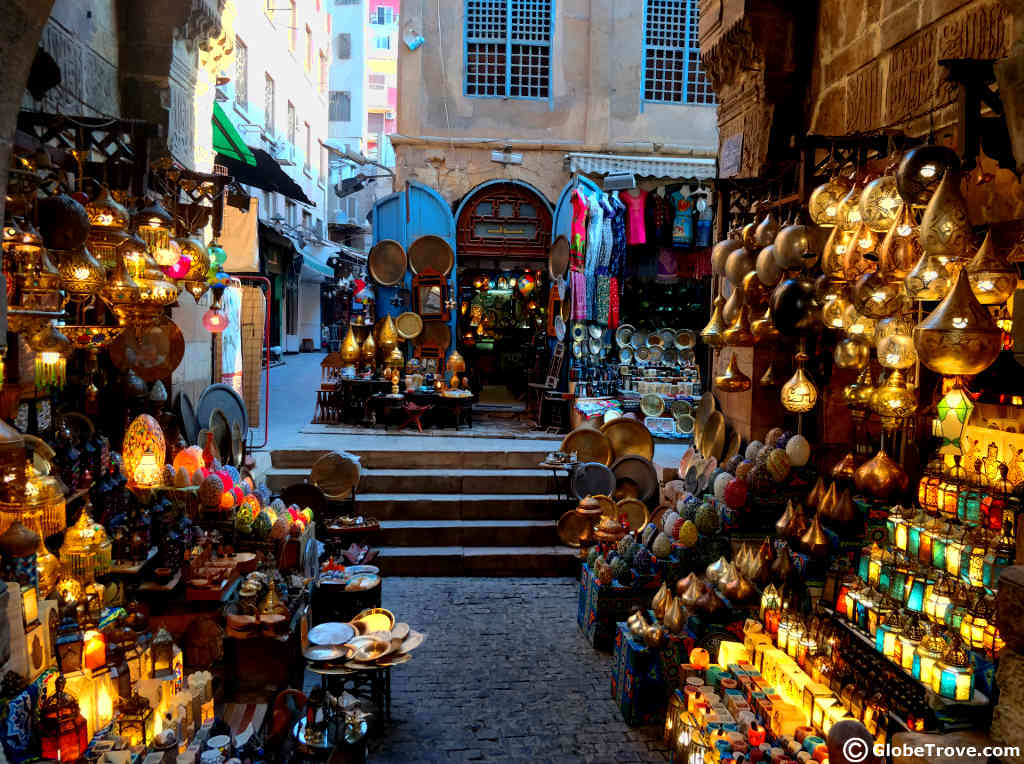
point(961, 604)
point(870, 563)
point(878, 611)
point(928, 487)
point(940, 539)
point(928, 653)
point(916, 529)
point(955, 548)
point(898, 573)
point(953, 412)
point(1000, 555)
point(968, 508)
point(919, 583)
point(972, 570)
point(953, 675)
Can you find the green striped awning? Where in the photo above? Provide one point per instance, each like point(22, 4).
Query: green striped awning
point(226, 139)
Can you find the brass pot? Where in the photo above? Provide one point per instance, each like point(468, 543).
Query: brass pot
point(733, 380)
point(959, 336)
point(675, 617)
point(712, 333)
point(881, 477)
point(660, 601)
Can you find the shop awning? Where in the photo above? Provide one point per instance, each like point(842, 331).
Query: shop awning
point(644, 166)
point(266, 174)
point(314, 268)
point(226, 139)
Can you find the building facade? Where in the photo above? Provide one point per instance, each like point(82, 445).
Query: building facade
point(276, 46)
point(540, 79)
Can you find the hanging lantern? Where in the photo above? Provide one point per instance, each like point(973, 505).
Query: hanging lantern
point(86, 551)
point(108, 223)
point(155, 225)
point(959, 336)
point(711, 335)
point(894, 401)
point(859, 257)
point(81, 275)
point(859, 325)
point(769, 379)
point(52, 349)
point(894, 345)
point(954, 411)
point(921, 169)
point(901, 247)
point(720, 253)
point(852, 353)
point(833, 312)
point(876, 296)
point(928, 653)
point(881, 476)
point(215, 320)
point(823, 204)
point(928, 280)
point(953, 676)
point(738, 334)
point(992, 278)
point(799, 393)
point(732, 380)
point(945, 229)
point(857, 394)
point(880, 203)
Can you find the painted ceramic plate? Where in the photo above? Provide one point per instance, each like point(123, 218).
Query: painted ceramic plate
point(579, 332)
point(559, 325)
point(678, 408)
point(624, 334)
point(684, 424)
point(577, 350)
point(654, 340)
point(668, 337)
point(643, 354)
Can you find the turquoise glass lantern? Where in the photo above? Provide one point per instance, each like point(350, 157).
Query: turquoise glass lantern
point(917, 586)
point(928, 653)
point(916, 528)
point(939, 540)
point(898, 573)
point(909, 639)
point(953, 676)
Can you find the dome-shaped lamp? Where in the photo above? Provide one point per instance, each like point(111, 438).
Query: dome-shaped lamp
point(959, 336)
point(992, 278)
point(215, 320)
point(155, 225)
point(880, 203)
point(799, 393)
point(894, 401)
point(52, 349)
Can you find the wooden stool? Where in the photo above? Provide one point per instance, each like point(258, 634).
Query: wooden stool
point(414, 414)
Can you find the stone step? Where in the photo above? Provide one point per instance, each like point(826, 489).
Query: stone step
point(457, 481)
point(419, 459)
point(478, 561)
point(439, 506)
point(473, 533)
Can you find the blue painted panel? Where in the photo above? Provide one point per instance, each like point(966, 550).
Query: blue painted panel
point(562, 219)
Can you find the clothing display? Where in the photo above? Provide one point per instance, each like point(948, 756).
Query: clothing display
point(578, 231)
point(659, 217)
point(618, 255)
point(634, 200)
point(594, 225)
point(682, 224)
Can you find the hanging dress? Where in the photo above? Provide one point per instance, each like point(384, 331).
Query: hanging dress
point(682, 226)
point(577, 255)
point(594, 222)
point(603, 302)
point(635, 231)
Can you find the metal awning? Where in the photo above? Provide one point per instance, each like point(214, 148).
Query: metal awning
point(644, 166)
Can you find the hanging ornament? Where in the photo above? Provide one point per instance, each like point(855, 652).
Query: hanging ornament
point(880, 202)
point(945, 228)
point(738, 264)
point(767, 266)
point(992, 278)
point(799, 393)
point(52, 349)
point(81, 274)
point(764, 328)
point(954, 411)
point(720, 252)
point(860, 257)
point(823, 204)
point(738, 334)
point(901, 247)
point(794, 307)
point(894, 401)
point(857, 394)
point(928, 279)
point(733, 380)
point(881, 477)
point(768, 379)
point(154, 225)
point(833, 313)
point(711, 334)
point(215, 321)
point(755, 294)
point(858, 325)
point(766, 230)
point(852, 353)
point(896, 351)
point(876, 296)
point(959, 336)
point(732, 306)
point(921, 170)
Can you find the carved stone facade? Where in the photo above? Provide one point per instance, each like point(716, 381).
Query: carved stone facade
point(874, 65)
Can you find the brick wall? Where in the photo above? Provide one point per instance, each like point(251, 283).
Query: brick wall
point(876, 61)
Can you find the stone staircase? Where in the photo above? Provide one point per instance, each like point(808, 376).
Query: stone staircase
point(453, 512)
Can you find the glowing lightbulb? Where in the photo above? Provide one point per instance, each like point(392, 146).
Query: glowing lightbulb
point(986, 285)
point(831, 210)
point(865, 242)
point(904, 230)
point(928, 171)
point(215, 321)
point(840, 249)
point(853, 216)
point(959, 322)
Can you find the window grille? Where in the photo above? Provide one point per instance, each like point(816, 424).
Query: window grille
point(672, 70)
point(241, 73)
point(268, 104)
point(344, 44)
point(377, 81)
point(508, 48)
point(340, 106)
point(293, 123)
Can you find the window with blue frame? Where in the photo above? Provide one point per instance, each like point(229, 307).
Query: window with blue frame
point(508, 48)
point(672, 70)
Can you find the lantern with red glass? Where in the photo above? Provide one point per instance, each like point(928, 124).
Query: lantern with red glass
point(62, 729)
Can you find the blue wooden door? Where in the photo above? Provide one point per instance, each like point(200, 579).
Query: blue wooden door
point(404, 217)
point(562, 221)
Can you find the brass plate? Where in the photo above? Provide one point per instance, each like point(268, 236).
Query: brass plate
point(401, 631)
point(154, 355)
point(623, 335)
point(414, 640)
point(685, 339)
point(681, 408)
point(655, 340)
point(395, 660)
point(325, 653)
point(652, 405)
point(706, 406)
point(359, 619)
point(558, 258)
point(714, 435)
point(659, 512)
point(629, 436)
point(633, 470)
point(635, 512)
point(432, 253)
point(409, 325)
point(387, 262)
point(436, 333)
point(565, 305)
point(369, 647)
point(336, 474)
point(574, 528)
point(589, 444)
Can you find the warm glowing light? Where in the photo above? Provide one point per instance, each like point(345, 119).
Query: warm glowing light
point(959, 322)
point(215, 321)
point(147, 472)
point(904, 230)
point(928, 171)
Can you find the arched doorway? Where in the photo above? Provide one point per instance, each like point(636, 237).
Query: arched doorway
point(502, 233)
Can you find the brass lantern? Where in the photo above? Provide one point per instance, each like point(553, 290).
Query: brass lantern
point(799, 393)
point(63, 730)
point(894, 401)
point(162, 653)
point(857, 394)
point(901, 247)
point(823, 204)
point(959, 336)
point(108, 222)
point(992, 278)
point(81, 274)
point(52, 349)
point(195, 280)
point(880, 203)
point(738, 333)
point(155, 226)
point(350, 348)
point(945, 228)
point(877, 296)
point(732, 380)
point(712, 333)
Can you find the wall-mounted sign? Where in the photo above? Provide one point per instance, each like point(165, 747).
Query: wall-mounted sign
point(730, 158)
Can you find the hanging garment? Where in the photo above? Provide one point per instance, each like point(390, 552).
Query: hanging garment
point(594, 224)
point(658, 214)
point(607, 213)
point(602, 310)
point(617, 260)
point(578, 231)
point(682, 226)
point(704, 221)
point(613, 303)
point(635, 232)
point(578, 283)
point(668, 266)
point(231, 339)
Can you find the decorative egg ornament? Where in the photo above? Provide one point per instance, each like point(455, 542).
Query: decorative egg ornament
point(798, 449)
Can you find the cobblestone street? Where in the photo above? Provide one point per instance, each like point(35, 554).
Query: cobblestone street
point(504, 675)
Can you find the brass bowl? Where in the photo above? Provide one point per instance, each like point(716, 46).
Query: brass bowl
point(373, 619)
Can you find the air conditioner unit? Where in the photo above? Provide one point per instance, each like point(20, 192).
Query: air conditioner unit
point(619, 181)
point(283, 152)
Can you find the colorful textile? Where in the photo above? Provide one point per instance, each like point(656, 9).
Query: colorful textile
point(682, 225)
point(578, 284)
point(608, 212)
point(635, 231)
point(617, 260)
point(578, 231)
point(594, 225)
point(668, 269)
point(603, 300)
point(613, 303)
point(659, 215)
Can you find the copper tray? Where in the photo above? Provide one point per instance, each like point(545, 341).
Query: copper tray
point(574, 528)
point(335, 474)
point(714, 435)
point(436, 333)
point(608, 506)
point(431, 253)
point(558, 258)
point(589, 444)
point(387, 262)
point(640, 471)
point(629, 436)
point(635, 512)
point(154, 355)
point(409, 325)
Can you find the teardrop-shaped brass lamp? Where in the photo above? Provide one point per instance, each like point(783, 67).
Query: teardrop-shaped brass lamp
point(835, 249)
point(693, 592)
point(785, 523)
point(857, 394)
point(877, 296)
point(828, 500)
point(816, 494)
point(894, 401)
point(732, 306)
point(733, 380)
point(880, 202)
point(660, 601)
point(764, 328)
point(683, 584)
point(945, 228)
point(350, 348)
point(738, 334)
point(369, 350)
point(844, 514)
point(881, 477)
point(992, 278)
point(901, 247)
point(387, 339)
point(855, 259)
point(799, 393)
point(769, 378)
point(823, 204)
point(959, 336)
point(928, 279)
point(852, 353)
point(815, 541)
point(766, 230)
point(845, 468)
point(712, 333)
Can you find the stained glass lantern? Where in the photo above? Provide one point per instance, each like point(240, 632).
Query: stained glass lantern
point(999, 556)
point(86, 551)
point(888, 634)
point(958, 610)
point(973, 571)
point(107, 223)
point(918, 583)
point(950, 489)
point(63, 731)
point(939, 543)
point(879, 610)
point(909, 639)
point(928, 488)
point(674, 716)
point(953, 675)
point(939, 600)
point(954, 411)
point(876, 716)
point(162, 653)
point(52, 350)
point(898, 576)
point(134, 719)
point(155, 225)
point(924, 541)
point(143, 452)
point(898, 526)
point(770, 602)
point(851, 600)
point(955, 553)
point(993, 641)
point(928, 653)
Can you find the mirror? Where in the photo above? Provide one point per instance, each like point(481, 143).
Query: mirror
point(430, 300)
point(429, 290)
